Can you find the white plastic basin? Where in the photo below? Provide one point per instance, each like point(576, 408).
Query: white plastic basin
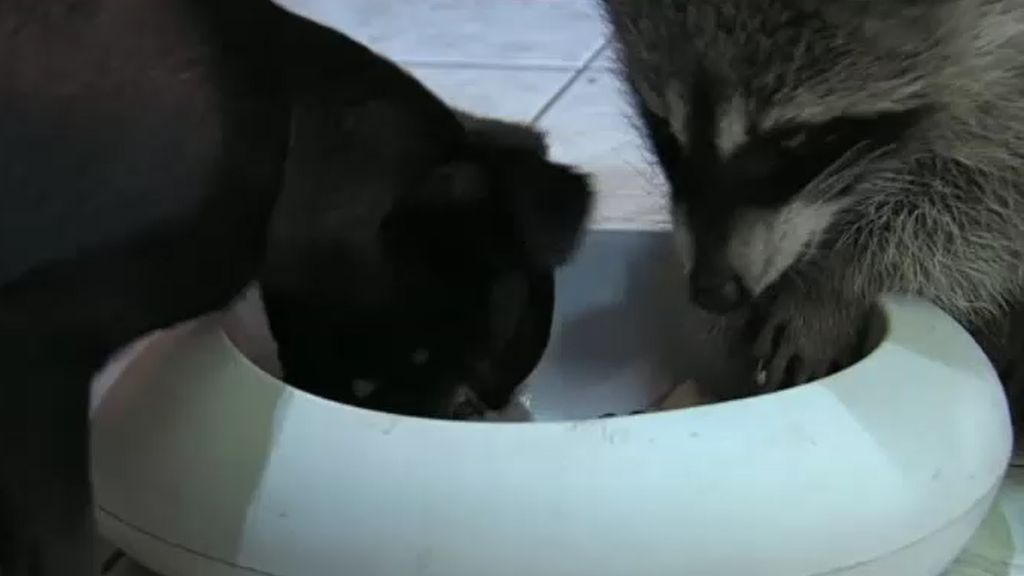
point(207, 465)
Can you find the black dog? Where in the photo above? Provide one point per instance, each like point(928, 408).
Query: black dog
point(435, 294)
point(156, 157)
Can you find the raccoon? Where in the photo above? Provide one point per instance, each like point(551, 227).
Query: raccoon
point(820, 154)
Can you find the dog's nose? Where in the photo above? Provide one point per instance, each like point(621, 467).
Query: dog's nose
point(718, 291)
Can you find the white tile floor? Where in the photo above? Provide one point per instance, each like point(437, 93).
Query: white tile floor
point(540, 61)
point(547, 61)
point(529, 33)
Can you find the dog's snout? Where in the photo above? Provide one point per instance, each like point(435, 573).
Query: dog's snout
point(717, 289)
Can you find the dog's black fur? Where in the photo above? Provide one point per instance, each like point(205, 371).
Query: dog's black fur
point(157, 157)
point(435, 292)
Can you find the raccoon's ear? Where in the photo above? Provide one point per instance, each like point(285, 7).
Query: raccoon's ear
point(549, 204)
point(896, 25)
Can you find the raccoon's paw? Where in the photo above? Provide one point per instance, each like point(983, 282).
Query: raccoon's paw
point(798, 338)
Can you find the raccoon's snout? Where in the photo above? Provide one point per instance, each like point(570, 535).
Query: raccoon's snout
point(732, 260)
point(717, 288)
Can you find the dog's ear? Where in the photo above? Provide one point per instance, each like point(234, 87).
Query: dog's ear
point(549, 204)
point(468, 179)
point(494, 133)
point(357, 147)
point(345, 171)
point(546, 203)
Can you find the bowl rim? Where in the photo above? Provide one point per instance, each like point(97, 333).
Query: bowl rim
point(889, 309)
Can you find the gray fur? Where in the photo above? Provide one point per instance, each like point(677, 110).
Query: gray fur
point(940, 215)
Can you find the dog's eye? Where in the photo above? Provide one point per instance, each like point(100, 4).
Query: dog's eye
point(420, 356)
point(362, 387)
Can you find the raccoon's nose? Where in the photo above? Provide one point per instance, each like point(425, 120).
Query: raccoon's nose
point(718, 291)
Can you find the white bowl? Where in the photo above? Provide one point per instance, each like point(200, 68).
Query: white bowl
point(205, 464)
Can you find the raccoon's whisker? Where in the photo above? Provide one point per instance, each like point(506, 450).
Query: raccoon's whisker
point(826, 188)
point(838, 167)
point(834, 179)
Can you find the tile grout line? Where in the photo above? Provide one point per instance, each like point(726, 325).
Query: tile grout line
point(487, 65)
point(590, 59)
point(112, 561)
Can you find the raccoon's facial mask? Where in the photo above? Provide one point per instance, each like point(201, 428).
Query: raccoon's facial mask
point(750, 202)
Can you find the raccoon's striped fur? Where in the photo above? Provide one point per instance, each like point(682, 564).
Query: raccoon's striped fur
point(821, 153)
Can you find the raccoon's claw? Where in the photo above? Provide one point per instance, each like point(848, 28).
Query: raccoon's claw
point(800, 339)
point(780, 363)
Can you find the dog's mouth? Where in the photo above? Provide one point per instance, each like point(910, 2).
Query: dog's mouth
point(495, 380)
point(466, 405)
point(441, 386)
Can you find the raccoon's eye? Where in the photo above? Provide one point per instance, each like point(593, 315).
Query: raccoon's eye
point(793, 139)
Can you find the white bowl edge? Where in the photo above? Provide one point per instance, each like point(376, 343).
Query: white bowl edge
point(846, 469)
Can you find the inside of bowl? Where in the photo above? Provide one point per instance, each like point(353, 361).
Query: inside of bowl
point(623, 334)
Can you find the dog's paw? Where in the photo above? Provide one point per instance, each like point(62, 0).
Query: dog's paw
point(798, 338)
